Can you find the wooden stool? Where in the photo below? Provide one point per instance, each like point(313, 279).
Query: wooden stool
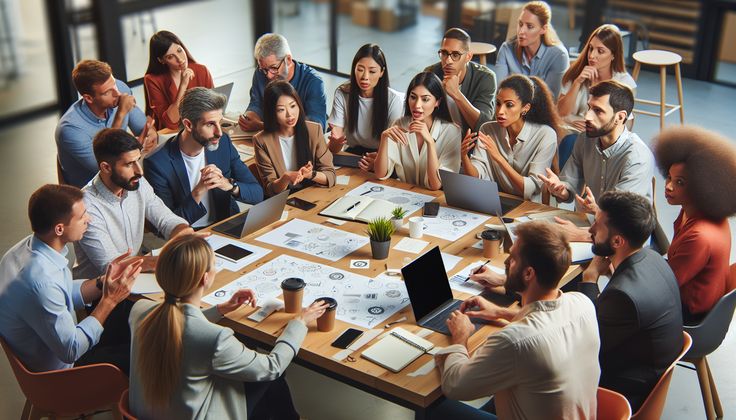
point(481, 49)
point(661, 59)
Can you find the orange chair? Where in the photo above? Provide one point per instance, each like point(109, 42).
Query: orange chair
point(124, 408)
point(654, 404)
point(612, 405)
point(68, 392)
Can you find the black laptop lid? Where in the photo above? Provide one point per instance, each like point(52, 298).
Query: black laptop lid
point(427, 284)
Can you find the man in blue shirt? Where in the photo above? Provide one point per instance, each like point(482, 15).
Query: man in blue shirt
point(274, 62)
point(37, 309)
point(198, 174)
point(106, 102)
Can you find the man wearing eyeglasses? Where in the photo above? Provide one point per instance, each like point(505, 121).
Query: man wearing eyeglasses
point(470, 87)
point(275, 63)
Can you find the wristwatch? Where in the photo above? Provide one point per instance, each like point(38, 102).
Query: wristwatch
point(314, 174)
point(98, 282)
point(234, 184)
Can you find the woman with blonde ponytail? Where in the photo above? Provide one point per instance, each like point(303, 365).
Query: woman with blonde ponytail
point(184, 366)
point(535, 50)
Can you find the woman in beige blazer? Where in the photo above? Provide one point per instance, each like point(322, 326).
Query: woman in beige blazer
point(184, 366)
point(290, 151)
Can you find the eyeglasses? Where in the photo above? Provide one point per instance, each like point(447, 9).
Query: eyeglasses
point(455, 55)
point(272, 69)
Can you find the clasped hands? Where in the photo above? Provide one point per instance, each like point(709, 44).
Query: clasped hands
point(298, 176)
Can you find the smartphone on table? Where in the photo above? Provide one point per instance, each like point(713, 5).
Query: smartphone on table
point(346, 338)
point(300, 204)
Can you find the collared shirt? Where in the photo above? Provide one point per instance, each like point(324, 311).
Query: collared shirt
point(626, 165)
point(536, 145)
point(478, 87)
point(308, 85)
point(549, 63)
point(116, 224)
point(362, 135)
point(14, 260)
point(37, 317)
point(410, 163)
point(543, 365)
point(75, 131)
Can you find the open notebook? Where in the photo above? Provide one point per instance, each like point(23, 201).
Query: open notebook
point(362, 208)
point(397, 350)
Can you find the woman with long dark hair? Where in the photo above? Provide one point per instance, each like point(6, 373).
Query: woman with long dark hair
point(290, 151)
point(536, 49)
point(365, 106)
point(699, 167)
point(171, 71)
point(521, 143)
point(185, 366)
point(602, 59)
point(424, 141)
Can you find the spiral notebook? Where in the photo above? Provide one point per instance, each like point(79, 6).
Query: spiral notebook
point(397, 350)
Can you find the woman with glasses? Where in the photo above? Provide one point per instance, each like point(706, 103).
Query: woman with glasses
point(535, 50)
point(290, 151)
point(602, 59)
point(364, 107)
point(424, 141)
point(185, 366)
point(521, 142)
point(171, 72)
point(699, 167)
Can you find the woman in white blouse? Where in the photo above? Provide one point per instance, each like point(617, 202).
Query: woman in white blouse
point(521, 143)
point(424, 141)
point(185, 366)
point(602, 59)
point(365, 106)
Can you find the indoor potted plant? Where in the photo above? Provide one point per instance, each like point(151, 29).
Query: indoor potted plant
point(397, 217)
point(380, 231)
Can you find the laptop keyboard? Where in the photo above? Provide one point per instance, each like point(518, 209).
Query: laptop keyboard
point(233, 227)
point(438, 323)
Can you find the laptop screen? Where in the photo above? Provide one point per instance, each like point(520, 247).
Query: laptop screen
point(427, 284)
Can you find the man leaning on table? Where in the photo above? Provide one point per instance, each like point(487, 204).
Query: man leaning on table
point(198, 174)
point(119, 201)
point(38, 302)
point(544, 363)
point(274, 61)
point(607, 156)
point(105, 103)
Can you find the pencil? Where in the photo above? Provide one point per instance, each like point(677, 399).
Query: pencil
point(476, 271)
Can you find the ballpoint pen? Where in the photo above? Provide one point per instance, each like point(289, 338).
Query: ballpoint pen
point(353, 206)
point(477, 270)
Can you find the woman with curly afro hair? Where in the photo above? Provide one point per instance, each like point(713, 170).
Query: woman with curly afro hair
point(700, 171)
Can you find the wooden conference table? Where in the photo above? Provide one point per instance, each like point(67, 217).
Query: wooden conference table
point(416, 393)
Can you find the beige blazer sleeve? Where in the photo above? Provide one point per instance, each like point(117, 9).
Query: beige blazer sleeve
point(269, 159)
point(322, 159)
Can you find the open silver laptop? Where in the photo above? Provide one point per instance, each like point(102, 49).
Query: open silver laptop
point(256, 217)
point(225, 90)
point(474, 194)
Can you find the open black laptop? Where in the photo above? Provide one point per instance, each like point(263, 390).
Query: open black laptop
point(430, 293)
point(256, 217)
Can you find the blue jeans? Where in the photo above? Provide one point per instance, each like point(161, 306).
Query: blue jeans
point(452, 409)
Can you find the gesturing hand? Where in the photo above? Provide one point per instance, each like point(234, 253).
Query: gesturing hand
point(468, 143)
point(396, 134)
point(367, 161)
point(554, 185)
point(587, 201)
point(420, 128)
point(116, 289)
point(238, 299)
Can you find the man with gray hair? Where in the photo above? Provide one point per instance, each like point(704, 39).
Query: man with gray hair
point(275, 63)
point(198, 174)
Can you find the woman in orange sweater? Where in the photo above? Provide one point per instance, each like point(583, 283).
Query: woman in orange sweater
point(700, 168)
point(171, 72)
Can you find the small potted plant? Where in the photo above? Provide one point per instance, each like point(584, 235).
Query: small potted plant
point(397, 217)
point(380, 231)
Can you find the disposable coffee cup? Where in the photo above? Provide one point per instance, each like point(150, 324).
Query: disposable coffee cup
point(416, 227)
point(491, 243)
point(293, 289)
point(326, 322)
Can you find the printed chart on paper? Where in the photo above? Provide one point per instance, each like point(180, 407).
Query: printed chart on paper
point(313, 239)
point(409, 201)
point(361, 300)
point(451, 224)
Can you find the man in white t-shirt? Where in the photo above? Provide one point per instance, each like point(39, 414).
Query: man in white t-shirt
point(198, 174)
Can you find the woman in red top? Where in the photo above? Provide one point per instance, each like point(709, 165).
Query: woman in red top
point(700, 170)
point(171, 71)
